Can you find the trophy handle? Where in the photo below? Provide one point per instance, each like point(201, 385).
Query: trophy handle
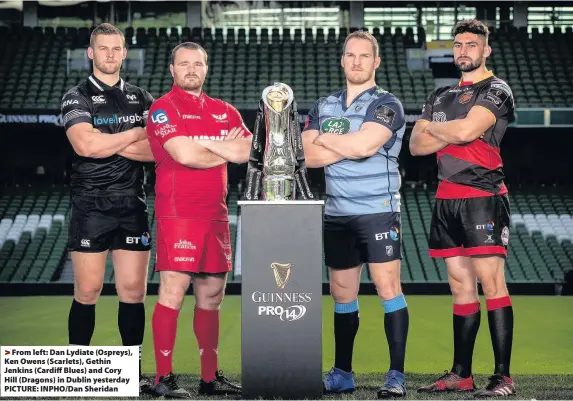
point(255, 165)
point(301, 174)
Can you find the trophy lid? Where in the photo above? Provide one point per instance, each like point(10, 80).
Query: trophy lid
point(278, 96)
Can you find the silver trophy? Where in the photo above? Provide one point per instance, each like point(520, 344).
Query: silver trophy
point(276, 169)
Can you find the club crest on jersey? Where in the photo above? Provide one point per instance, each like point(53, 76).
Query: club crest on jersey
point(335, 125)
point(220, 118)
point(466, 97)
point(439, 117)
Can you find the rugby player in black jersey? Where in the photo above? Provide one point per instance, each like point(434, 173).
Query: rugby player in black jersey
point(104, 118)
point(465, 124)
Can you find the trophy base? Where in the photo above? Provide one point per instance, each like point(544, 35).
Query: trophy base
point(278, 188)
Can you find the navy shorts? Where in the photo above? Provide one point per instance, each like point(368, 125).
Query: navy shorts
point(350, 241)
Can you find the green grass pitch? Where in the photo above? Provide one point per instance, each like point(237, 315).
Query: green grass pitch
point(542, 362)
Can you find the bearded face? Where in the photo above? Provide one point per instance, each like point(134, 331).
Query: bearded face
point(189, 69)
point(470, 51)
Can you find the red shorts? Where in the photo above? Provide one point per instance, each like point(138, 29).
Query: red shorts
point(196, 246)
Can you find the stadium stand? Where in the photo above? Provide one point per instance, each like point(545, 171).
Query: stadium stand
point(33, 235)
point(33, 223)
point(33, 60)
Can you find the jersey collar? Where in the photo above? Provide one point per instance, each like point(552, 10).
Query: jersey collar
point(344, 92)
point(187, 96)
point(487, 75)
point(99, 85)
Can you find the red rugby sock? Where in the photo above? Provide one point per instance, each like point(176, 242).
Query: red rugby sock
point(164, 325)
point(206, 328)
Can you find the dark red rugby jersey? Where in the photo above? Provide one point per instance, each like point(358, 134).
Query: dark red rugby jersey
point(473, 169)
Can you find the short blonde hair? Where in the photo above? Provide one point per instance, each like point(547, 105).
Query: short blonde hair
point(363, 35)
point(106, 29)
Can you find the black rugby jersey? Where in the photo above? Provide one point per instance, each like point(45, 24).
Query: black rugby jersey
point(473, 169)
point(110, 109)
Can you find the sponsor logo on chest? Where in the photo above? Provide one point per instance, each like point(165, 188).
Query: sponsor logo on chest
point(335, 125)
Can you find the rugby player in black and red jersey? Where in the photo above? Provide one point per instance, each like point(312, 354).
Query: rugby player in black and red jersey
point(464, 124)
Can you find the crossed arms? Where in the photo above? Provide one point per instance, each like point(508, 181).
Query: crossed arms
point(323, 150)
point(88, 141)
point(430, 137)
point(206, 153)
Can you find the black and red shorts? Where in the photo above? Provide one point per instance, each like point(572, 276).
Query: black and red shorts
point(470, 227)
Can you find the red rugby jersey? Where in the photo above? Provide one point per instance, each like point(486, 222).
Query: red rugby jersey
point(474, 169)
point(181, 191)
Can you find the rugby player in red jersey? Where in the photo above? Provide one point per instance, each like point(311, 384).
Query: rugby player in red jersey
point(465, 124)
point(192, 137)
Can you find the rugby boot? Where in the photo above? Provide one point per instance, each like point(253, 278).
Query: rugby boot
point(220, 385)
point(169, 388)
point(145, 384)
point(450, 382)
point(338, 381)
point(395, 385)
point(498, 386)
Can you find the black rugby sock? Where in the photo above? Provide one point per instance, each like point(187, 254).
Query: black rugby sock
point(81, 323)
point(396, 325)
point(466, 325)
point(500, 319)
point(346, 322)
point(131, 323)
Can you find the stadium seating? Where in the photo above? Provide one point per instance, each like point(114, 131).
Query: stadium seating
point(535, 66)
point(33, 235)
point(33, 71)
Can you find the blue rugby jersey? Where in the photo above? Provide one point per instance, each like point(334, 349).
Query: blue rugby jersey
point(370, 185)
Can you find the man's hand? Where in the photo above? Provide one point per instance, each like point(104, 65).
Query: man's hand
point(234, 148)
point(422, 143)
point(139, 133)
point(318, 140)
point(315, 154)
point(235, 133)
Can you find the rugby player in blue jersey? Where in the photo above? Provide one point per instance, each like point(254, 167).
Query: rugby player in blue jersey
point(356, 135)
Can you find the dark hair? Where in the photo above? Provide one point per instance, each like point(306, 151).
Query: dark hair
point(106, 29)
point(187, 45)
point(471, 26)
point(362, 35)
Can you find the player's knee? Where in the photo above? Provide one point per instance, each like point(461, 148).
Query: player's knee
point(464, 294)
point(133, 292)
point(210, 300)
point(493, 289)
point(388, 292)
point(87, 293)
point(458, 289)
point(171, 296)
point(342, 292)
point(388, 288)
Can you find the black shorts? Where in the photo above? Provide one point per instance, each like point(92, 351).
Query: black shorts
point(470, 227)
point(99, 223)
point(350, 241)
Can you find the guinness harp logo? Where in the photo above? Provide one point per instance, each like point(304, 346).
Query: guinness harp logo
point(282, 273)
